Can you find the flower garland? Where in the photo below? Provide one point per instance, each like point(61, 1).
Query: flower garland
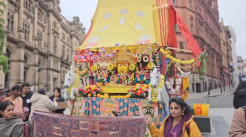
point(132, 67)
point(103, 52)
point(82, 72)
point(154, 91)
point(103, 78)
point(90, 91)
point(75, 85)
point(139, 91)
point(151, 66)
point(175, 59)
point(144, 79)
point(185, 95)
point(185, 83)
point(111, 67)
point(94, 68)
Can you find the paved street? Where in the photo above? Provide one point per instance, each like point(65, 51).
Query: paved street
point(221, 112)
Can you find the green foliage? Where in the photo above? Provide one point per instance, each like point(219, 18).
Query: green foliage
point(202, 58)
point(4, 62)
point(3, 59)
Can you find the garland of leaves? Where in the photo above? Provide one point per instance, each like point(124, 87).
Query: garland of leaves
point(3, 59)
point(202, 58)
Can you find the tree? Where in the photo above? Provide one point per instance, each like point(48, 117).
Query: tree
point(3, 58)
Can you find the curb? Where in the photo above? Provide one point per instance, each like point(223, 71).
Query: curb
point(216, 95)
point(223, 93)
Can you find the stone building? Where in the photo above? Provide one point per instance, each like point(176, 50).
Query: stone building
point(233, 64)
point(225, 48)
point(241, 65)
point(40, 43)
point(202, 19)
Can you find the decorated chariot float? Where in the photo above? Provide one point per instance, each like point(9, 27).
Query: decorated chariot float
point(132, 68)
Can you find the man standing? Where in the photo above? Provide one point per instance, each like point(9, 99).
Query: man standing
point(26, 96)
point(2, 94)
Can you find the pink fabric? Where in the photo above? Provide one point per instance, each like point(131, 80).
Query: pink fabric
point(51, 124)
point(18, 105)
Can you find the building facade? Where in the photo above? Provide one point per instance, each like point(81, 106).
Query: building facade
point(202, 19)
point(225, 55)
point(40, 43)
point(233, 65)
point(241, 65)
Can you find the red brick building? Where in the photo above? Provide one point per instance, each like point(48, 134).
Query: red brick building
point(202, 19)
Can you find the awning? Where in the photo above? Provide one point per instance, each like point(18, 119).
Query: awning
point(136, 22)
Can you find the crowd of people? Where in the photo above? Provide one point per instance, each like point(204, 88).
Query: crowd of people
point(17, 105)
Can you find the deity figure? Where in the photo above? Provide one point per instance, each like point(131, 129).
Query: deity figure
point(122, 68)
point(142, 74)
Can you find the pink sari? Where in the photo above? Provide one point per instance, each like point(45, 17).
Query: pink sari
point(18, 105)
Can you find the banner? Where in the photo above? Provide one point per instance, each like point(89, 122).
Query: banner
point(51, 124)
point(104, 107)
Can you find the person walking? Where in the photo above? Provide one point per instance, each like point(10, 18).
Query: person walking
point(41, 102)
point(26, 97)
point(57, 97)
point(10, 125)
point(240, 95)
point(17, 101)
point(179, 124)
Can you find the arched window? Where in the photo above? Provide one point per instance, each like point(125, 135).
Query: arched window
point(26, 68)
point(25, 59)
point(7, 76)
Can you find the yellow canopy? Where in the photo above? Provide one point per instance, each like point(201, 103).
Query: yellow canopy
point(127, 23)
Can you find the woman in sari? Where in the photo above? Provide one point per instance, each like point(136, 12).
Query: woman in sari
point(179, 124)
point(10, 125)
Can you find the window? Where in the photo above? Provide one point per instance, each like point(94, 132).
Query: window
point(54, 44)
point(190, 5)
point(63, 36)
point(28, 6)
point(68, 39)
point(181, 46)
point(25, 59)
point(191, 24)
point(68, 54)
point(26, 30)
point(39, 39)
point(40, 16)
point(176, 28)
point(10, 22)
point(7, 76)
point(63, 51)
point(174, 2)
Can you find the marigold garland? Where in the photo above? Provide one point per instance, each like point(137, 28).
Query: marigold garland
point(176, 59)
point(75, 85)
point(185, 83)
point(82, 72)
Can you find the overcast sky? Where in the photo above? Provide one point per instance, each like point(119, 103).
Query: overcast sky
point(232, 11)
